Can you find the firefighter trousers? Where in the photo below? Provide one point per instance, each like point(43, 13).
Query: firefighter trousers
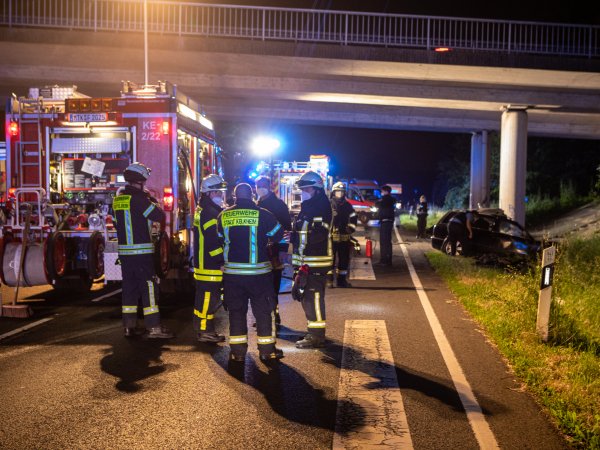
point(238, 289)
point(385, 241)
point(341, 256)
point(139, 283)
point(206, 302)
point(313, 304)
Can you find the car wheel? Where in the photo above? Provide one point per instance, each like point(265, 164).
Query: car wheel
point(447, 247)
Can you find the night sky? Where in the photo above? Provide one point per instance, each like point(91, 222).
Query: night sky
point(405, 157)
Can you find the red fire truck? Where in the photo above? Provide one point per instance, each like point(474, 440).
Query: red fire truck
point(66, 153)
point(285, 174)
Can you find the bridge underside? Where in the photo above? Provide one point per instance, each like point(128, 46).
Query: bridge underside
point(250, 81)
point(325, 85)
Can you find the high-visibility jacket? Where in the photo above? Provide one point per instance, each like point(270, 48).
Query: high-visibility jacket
point(245, 230)
point(311, 236)
point(344, 220)
point(208, 255)
point(135, 211)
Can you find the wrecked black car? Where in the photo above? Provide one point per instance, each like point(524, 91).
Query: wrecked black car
point(496, 238)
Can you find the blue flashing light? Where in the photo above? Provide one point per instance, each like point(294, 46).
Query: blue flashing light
point(253, 175)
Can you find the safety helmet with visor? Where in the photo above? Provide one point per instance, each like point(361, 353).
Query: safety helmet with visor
point(136, 173)
point(213, 182)
point(310, 179)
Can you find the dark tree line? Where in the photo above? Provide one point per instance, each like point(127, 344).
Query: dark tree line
point(553, 166)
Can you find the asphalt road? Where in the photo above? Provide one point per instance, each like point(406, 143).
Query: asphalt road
point(75, 382)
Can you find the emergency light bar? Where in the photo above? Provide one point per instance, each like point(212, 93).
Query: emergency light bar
point(74, 105)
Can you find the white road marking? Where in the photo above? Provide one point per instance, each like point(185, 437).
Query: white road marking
point(110, 294)
point(25, 328)
point(368, 391)
point(361, 268)
point(479, 425)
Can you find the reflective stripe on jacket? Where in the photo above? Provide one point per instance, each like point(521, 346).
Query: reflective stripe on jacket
point(311, 237)
point(245, 230)
point(208, 255)
point(344, 220)
point(134, 214)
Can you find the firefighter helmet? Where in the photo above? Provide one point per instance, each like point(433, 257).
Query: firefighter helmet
point(339, 186)
point(137, 173)
point(310, 179)
point(213, 182)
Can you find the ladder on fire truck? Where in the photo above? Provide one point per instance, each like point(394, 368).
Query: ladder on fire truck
point(29, 148)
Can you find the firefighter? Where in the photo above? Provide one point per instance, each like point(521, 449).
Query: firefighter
point(277, 207)
point(208, 259)
point(135, 210)
point(245, 230)
point(311, 240)
point(385, 208)
point(344, 224)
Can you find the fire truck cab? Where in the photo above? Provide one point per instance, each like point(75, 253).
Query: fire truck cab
point(66, 153)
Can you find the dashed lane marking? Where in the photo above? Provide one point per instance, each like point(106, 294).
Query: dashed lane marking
point(370, 411)
point(479, 425)
point(25, 328)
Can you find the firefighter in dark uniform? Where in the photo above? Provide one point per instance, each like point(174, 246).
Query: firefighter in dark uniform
point(245, 230)
point(344, 224)
point(208, 258)
point(311, 240)
point(277, 207)
point(135, 210)
point(385, 209)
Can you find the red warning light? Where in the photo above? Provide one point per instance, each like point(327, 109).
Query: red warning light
point(442, 49)
point(168, 199)
point(165, 127)
point(13, 129)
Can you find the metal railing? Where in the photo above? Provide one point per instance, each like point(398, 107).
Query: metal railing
point(306, 25)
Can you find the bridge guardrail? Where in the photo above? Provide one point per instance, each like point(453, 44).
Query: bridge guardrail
point(307, 25)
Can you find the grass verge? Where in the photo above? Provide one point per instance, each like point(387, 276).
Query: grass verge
point(563, 374)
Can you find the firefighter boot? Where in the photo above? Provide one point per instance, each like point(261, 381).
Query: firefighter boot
point(330, 280)
point(272, 357)
point(210, 337)
point(311, 341)
point(131, 332)
point(160, 332)
point(342, 282)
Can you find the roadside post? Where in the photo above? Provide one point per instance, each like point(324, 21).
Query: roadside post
point(545, 297)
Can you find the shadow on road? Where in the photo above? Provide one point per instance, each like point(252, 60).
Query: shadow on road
point(439, 389)
point(134, 363)
point(288, 392)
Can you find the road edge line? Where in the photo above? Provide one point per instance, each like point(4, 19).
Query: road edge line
point(483, 433)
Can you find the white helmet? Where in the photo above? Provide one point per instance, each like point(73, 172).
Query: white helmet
point(339, 186)
point(213, 182)
point(310, 179)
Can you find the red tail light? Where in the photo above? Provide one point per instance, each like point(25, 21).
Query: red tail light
point(168, 199)
point(11, 192)
point(13, 129)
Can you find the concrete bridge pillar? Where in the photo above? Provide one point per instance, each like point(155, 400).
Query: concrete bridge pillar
point(480, 171)
point(513, 162)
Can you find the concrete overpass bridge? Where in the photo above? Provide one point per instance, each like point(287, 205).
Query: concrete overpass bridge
point(327, 68)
